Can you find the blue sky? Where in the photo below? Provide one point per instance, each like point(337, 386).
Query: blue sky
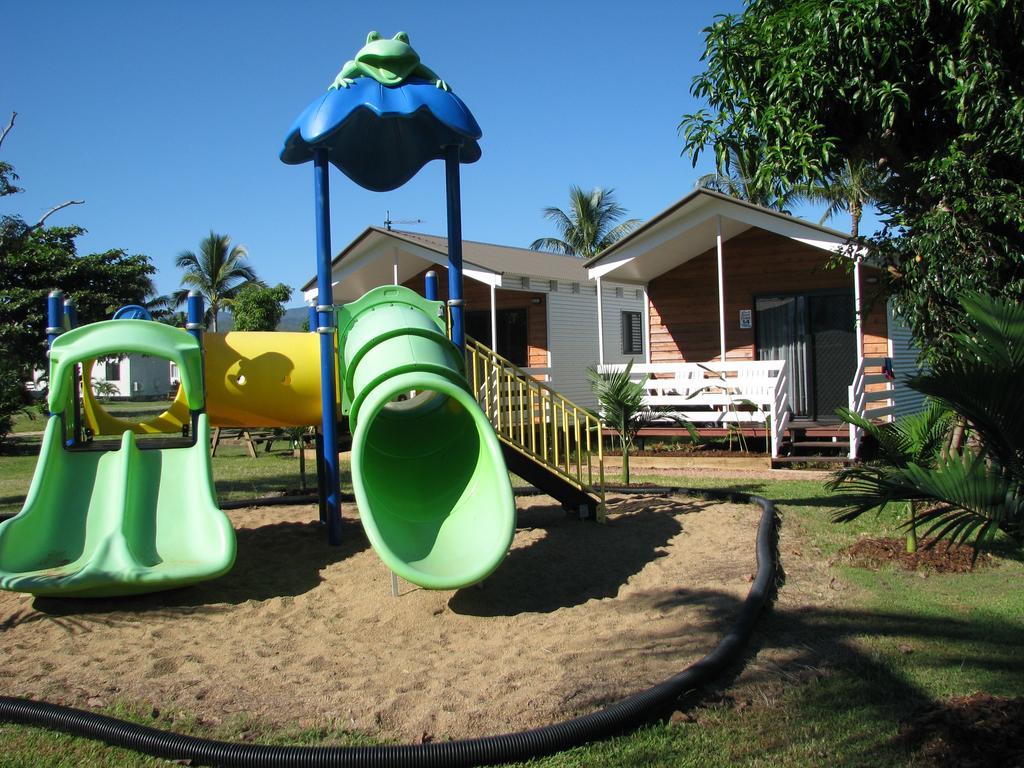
point(167, 118)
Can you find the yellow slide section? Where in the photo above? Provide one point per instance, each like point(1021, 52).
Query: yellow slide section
point(253, 379)
point(100, 422)
point(262, 379)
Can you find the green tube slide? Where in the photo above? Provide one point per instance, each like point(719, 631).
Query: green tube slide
point(433, 491)
point(99, 523)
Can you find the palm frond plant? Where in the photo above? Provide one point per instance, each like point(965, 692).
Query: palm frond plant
point(622, 407)
point(977, 490)
point(105, 390)
point(915, 439)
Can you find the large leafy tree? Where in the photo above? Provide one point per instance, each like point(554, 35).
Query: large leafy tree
point(45, 259)
point(929, 93)
point(591, 224)
point(218, 271)
point(35, 259)
point(259, 307)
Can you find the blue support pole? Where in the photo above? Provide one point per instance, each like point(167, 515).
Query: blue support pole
point(195, 325)
point(194, 315)
point(70, 313)
point(313, 322)
point(54, 316)
point(326, 329)
point(54, 328)
point(451, 176)
point(430, 286)
point(70, 321)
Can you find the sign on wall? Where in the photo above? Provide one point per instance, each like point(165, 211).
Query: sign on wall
point(746, 318)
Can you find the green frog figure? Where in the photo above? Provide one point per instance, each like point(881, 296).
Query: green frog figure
point(389, 62)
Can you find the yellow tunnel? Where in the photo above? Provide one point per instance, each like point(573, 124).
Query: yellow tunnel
point(262, 379)
point(253, 379)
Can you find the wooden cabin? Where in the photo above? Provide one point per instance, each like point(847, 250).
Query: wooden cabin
point(786, 309)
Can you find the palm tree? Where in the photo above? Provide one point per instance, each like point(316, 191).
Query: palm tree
point(973, 491)
point(622, 407)
point(589, 226)
point(161, 307)
point(737, 176)
point(849, 190)
point(218, 272)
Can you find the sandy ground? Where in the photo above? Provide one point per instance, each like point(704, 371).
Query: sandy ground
point(300, 634)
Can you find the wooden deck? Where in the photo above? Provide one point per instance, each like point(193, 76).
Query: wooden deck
point(807, 441)
point(807, 429)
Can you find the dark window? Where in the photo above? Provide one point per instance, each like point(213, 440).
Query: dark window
point(632, 334)
point(513, 343)
point(112, 371)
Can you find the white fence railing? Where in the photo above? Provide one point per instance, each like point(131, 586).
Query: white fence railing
point(876, 403)
point(720, 394)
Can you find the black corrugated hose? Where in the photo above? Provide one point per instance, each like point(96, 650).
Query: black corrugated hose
point(622, 716)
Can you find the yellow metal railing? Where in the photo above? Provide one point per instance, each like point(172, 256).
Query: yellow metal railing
point(537, 421)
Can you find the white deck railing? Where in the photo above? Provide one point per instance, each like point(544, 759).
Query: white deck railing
point(878, 403)
point(720, 394)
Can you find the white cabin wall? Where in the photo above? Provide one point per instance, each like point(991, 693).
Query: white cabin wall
point(150, 376)
point(572, 334)
point(121, 381)
point(631, 300)
point(141, 376)
point(572, 339)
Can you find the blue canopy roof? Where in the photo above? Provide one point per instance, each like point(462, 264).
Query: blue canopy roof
point(381, 136)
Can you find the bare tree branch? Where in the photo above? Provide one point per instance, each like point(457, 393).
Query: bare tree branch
point(8, 128)
point(45, 216)
point(53, 210)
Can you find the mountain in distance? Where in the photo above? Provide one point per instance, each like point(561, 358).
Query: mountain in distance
point(292, 320)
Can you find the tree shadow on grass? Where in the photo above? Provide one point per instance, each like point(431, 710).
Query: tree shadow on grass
point(808, 683)
point(21, 445)
point(829, 662)
point(266, 485)
point(569, 562)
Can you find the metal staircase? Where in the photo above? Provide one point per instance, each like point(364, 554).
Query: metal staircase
point(547, 440)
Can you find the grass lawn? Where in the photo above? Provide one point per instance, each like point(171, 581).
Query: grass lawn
point(824, 685)
point(33, 418)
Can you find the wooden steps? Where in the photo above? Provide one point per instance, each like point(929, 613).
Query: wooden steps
point(780, 461)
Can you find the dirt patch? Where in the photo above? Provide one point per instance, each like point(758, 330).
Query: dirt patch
point(300, 634)
point(970, 732)
point(940, 557)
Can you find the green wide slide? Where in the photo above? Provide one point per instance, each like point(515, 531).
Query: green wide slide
point(99, 523)
point(432, 487)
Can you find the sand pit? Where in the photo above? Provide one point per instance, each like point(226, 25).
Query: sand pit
point(300, 634)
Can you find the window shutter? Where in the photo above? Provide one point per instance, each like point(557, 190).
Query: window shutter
point(632, 334)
